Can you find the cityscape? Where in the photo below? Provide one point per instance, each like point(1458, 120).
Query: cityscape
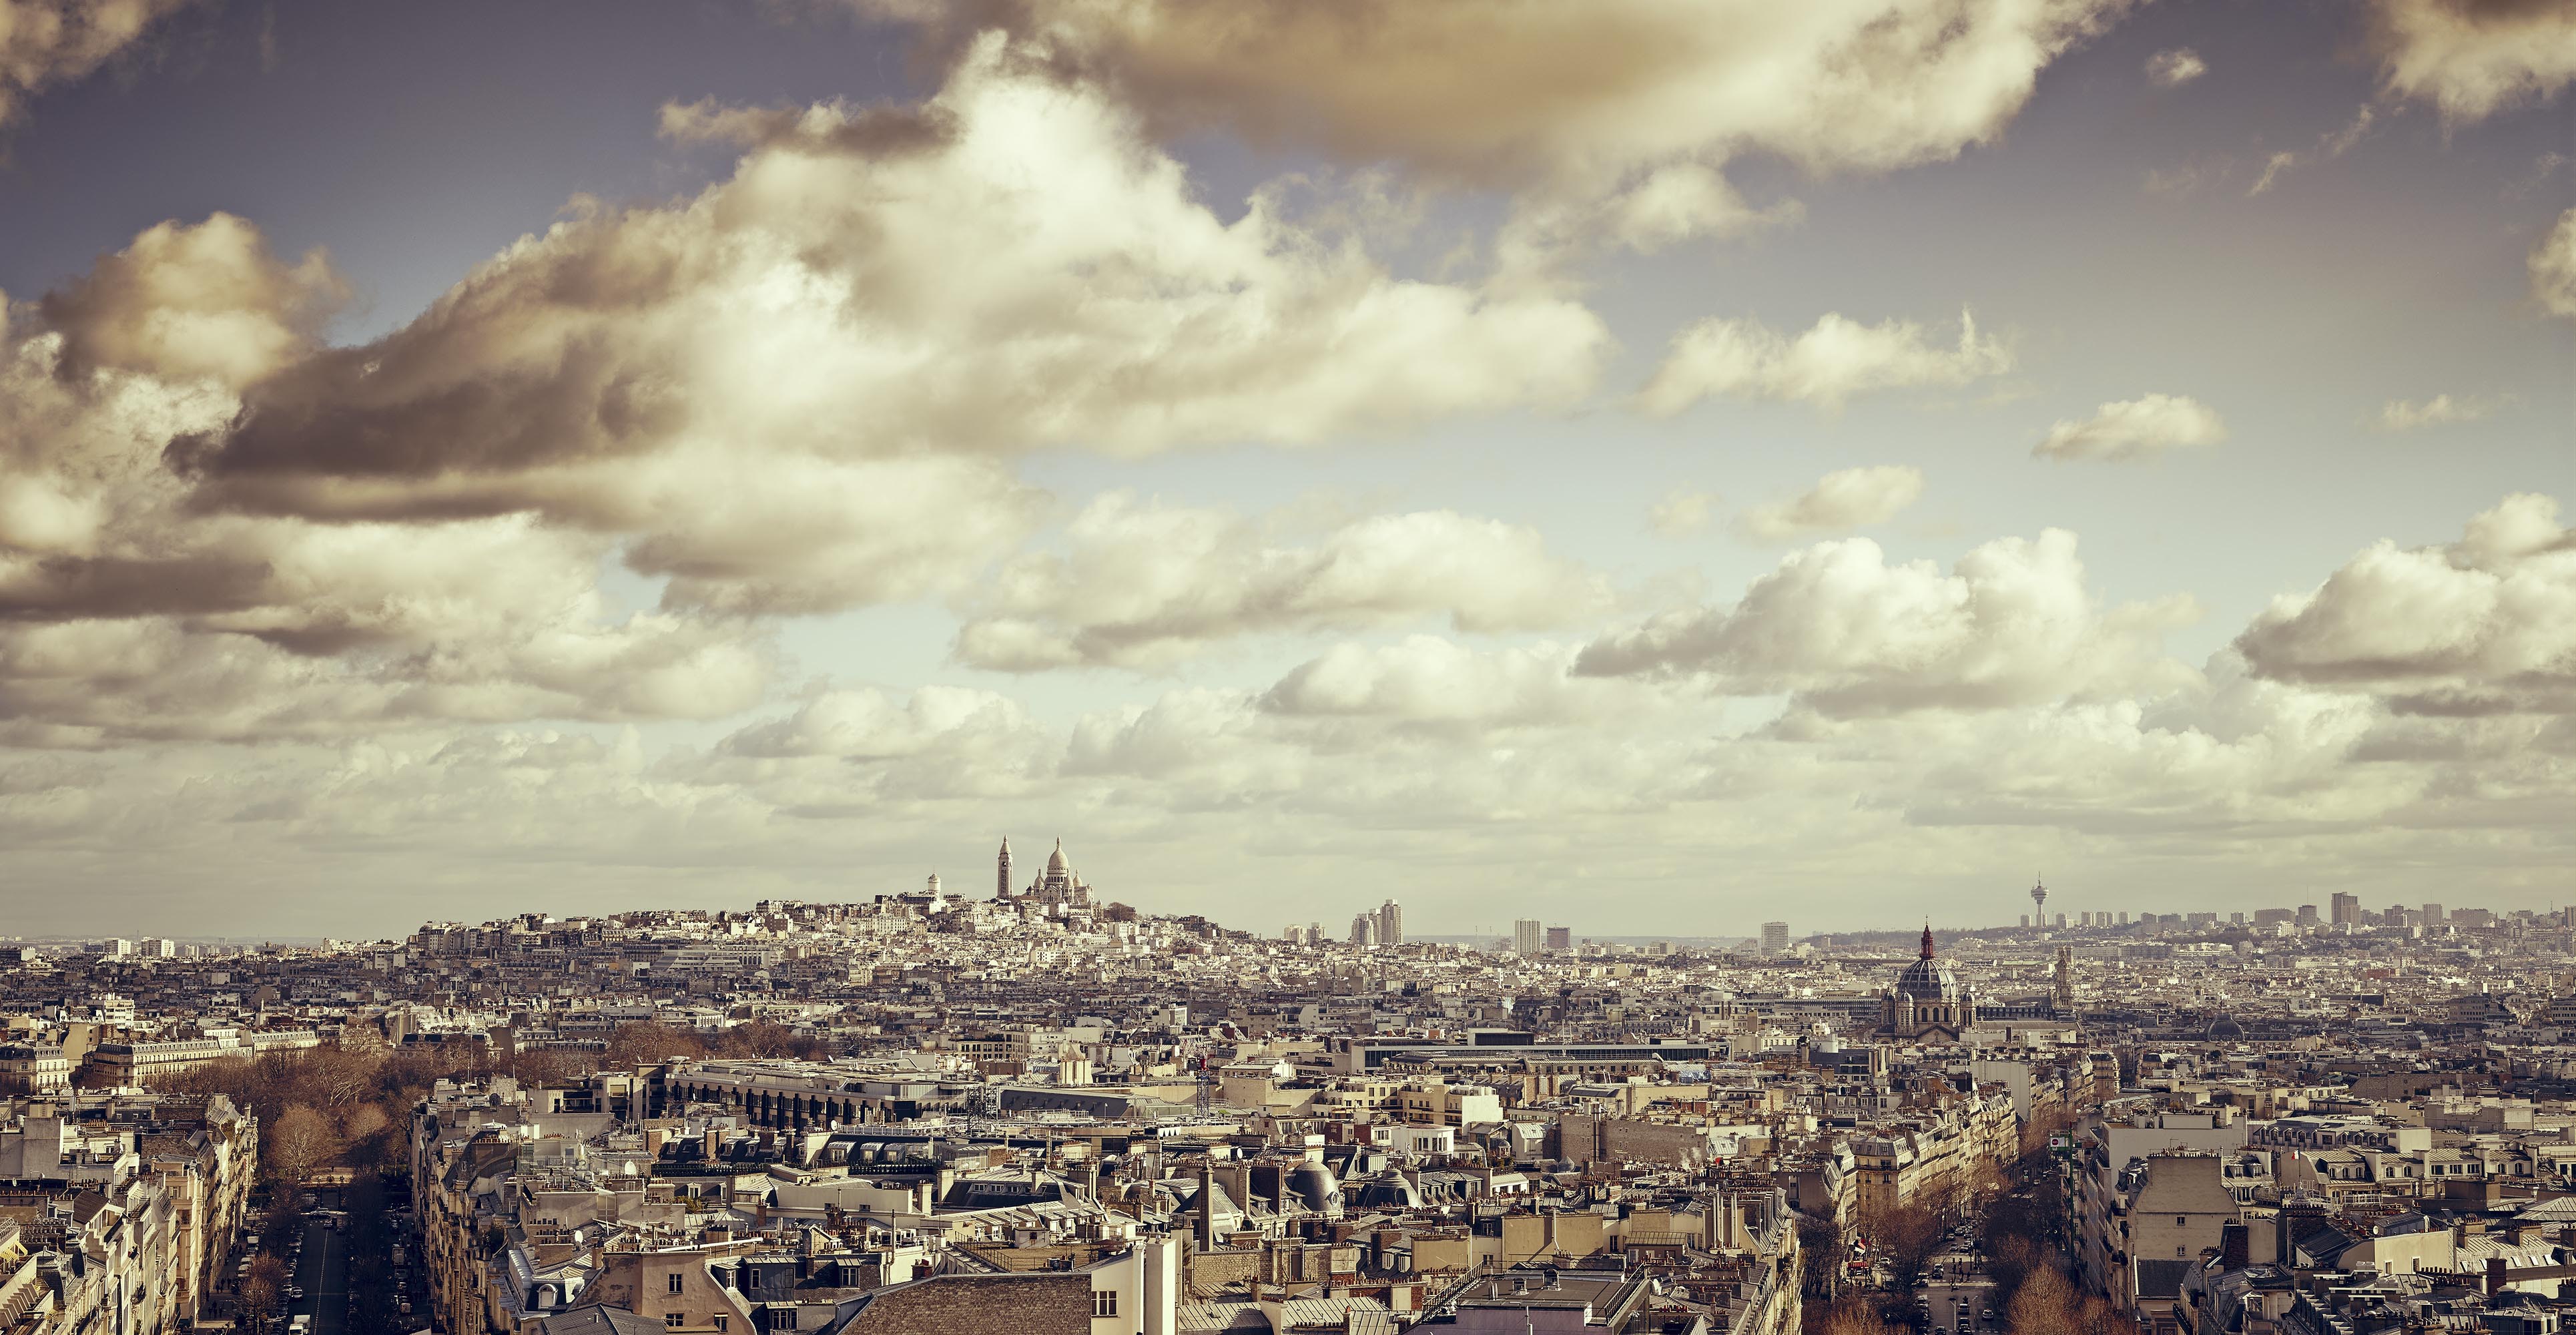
point(1029, 1106)
point(1287, 667)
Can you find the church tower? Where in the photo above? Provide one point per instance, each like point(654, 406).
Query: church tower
point(1002, 880)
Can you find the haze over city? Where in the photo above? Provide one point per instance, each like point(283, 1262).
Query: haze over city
point(1639, 465)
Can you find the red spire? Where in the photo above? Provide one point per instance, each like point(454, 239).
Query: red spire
point(1927, 940)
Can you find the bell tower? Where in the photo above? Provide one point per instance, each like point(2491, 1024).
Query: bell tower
point(1002, 876)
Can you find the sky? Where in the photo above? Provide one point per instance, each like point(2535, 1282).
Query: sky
point(1653, 466)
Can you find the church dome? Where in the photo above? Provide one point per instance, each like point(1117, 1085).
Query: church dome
point(1055, 860)
point(1928, 978)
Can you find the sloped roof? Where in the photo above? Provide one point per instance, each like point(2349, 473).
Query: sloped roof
point(597, 1321)
point(2158, 1278)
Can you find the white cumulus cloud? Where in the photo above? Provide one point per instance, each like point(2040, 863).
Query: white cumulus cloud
point(2485, 623)
point(1842, 500)
point(2134, 429)
point(2553, 267)
point(2474, 58)
point(1146, 585)
point(1835, 360)
point(2176, 67)
point(1848, 633)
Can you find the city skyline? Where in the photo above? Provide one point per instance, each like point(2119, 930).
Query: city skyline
point(1818, 462)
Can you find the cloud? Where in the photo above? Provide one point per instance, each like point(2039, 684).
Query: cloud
point(184, 302)
point(2439, 410)
point(953, 281)
point(129, 608)
point(1146, 585)
point(795, 393)
point(1682, 513)
point(1845, 499)
point(1833, 361)
point(2188, 178)
point(845, 750)
point(2134, 429)
point(1565, 107)
point(1847, 633)
point(2484, 624)
point(2332, 144)
point(2473, 58)
point(46, 43)
point(2174, 68)
point(1425, 679)
point(2553, 267)
point(2273, 167)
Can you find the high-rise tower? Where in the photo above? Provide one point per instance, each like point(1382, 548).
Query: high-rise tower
point(2039, 902)
point(1002, 881)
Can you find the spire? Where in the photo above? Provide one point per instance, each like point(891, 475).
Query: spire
point(1927, 940)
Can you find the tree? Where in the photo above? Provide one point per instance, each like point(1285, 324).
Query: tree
point(761, 1038)
point(642, 1043)
point(2046, 1304)
point(1909, 1236)
point(259, 1291)
point(300, 1141)
point(1822, 1245)
point(2096, 1316)
point(1855, 1318)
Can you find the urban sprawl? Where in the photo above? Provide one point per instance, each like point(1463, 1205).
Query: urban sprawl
point(1030, 1108)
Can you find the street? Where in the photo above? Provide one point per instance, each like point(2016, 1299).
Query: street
point(323, 1272)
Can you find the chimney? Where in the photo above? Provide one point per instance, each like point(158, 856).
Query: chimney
point(2235, 1247)
point(1238, 1182)
point(1205, 1224)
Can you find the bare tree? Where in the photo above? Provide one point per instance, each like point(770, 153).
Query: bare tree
point(1909, 1236)
point(259, 1291)
point(643, 1044)
point(2046, 1304)
point(1854, 1318)
point(301, 1141)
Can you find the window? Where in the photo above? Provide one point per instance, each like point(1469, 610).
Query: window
point(675, 1283)
point(720, 1323)
point(1104, 1302)
point(2180, 1221)
point(673, 1319)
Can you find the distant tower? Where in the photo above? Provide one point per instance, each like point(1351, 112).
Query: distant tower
point(2065, 979)
point(1002, 882)
point(2039, 902)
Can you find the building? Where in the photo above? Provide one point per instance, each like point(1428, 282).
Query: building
point(1528, 937)
point(1927, 1001)
point(1560, 939)
point(2346, 909)
point(1056, 890)
point(1390, 924)
point(1363, 929)
point(1775, 937)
